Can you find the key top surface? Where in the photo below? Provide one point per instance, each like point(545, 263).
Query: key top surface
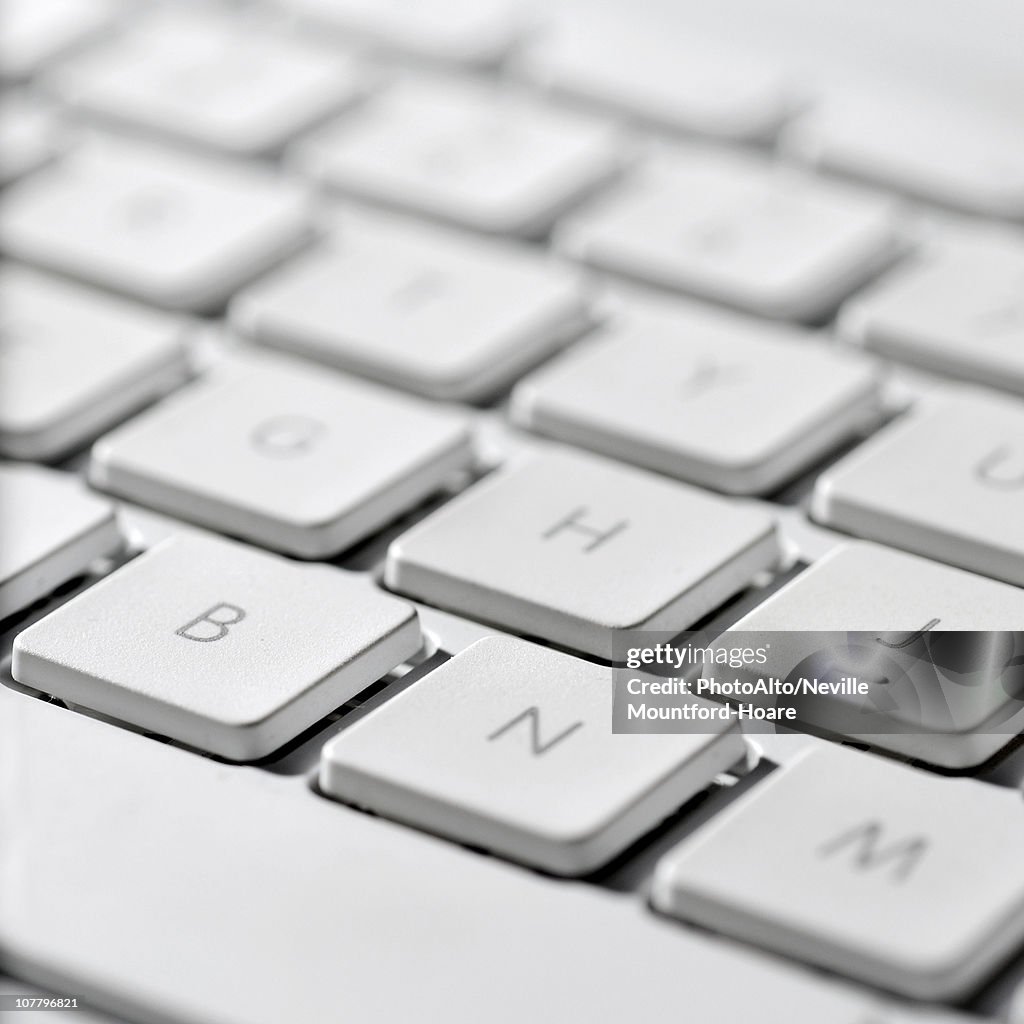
point(471, 32)
point(34, 32)
point(571, 547)
point(736, 230)
point(483, 157)
point(950, 717)
point(881, 872)
point(171, 230)
point(508, 746)
point(685, 82)
point(30, 136)
point(446, 315)
point(946, 482)
point(662, 389)
point(958, 310)
point(226, 83)
point(274, 450)
point(173, 826)
point(941, 151)
point(73, 361)
point(51, 530)
point(222, 647)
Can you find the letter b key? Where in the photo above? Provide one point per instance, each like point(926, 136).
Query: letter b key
point(213, 624)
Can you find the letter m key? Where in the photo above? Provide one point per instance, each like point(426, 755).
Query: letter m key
point(213, 624)
point(868, 853)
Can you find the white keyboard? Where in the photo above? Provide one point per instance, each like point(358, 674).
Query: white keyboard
point(367, 371)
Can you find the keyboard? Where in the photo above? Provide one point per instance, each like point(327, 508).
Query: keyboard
point(368, 371)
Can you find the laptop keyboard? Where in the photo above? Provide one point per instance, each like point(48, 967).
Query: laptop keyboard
point(394, 357)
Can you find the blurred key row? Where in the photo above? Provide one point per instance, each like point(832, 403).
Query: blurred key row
point(264, 75)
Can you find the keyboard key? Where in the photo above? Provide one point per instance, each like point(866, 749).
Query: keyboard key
point(74, 361)
point(736, 230)
point(955, 156)
point(445, 315)
point(571, 548)
point(29, 137)
point(165, 228)
point(946, 482)
point(481, 156)
point(718, 400)
point(52, 530)
point(221, 647)
point(208, 850)
point(507, 747)
point(226, 83)
point(33, 32)
point(282, 453)
point(890, 875)
point(472, 32)
point(958, 310)
point(955, 720)
point(686, 83)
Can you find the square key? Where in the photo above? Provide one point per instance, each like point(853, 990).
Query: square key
point(172, 230)
point(74, 361)
point(276, 451)
point(476, 155)
point(661, 389)
point(945, 481)
point(217, 645)
point(572, 548)
point(438, 312)
point(509, 746)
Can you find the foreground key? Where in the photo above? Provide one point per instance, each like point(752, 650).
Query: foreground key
point(508, 746)
point(902, 879)
point(221, 647)
point(571, 548)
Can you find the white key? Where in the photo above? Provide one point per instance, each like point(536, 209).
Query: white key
point(478, 155)
point(899, 878)
point(277, 451)
point(437, 313)
point(172, 230)
point(52, 531)
point(736, 230)
point(682, 82)
point(233, 84)
point(369, 896)
point(708, 397)
point(30, 136)
point(951, 717)
point(74, 361)
point(959, 310)
point(507, 747)
point(955, 156)
point(946, 482)
point(472, 32)
point(33, 32)
point(571, 548)
point(224, 648)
